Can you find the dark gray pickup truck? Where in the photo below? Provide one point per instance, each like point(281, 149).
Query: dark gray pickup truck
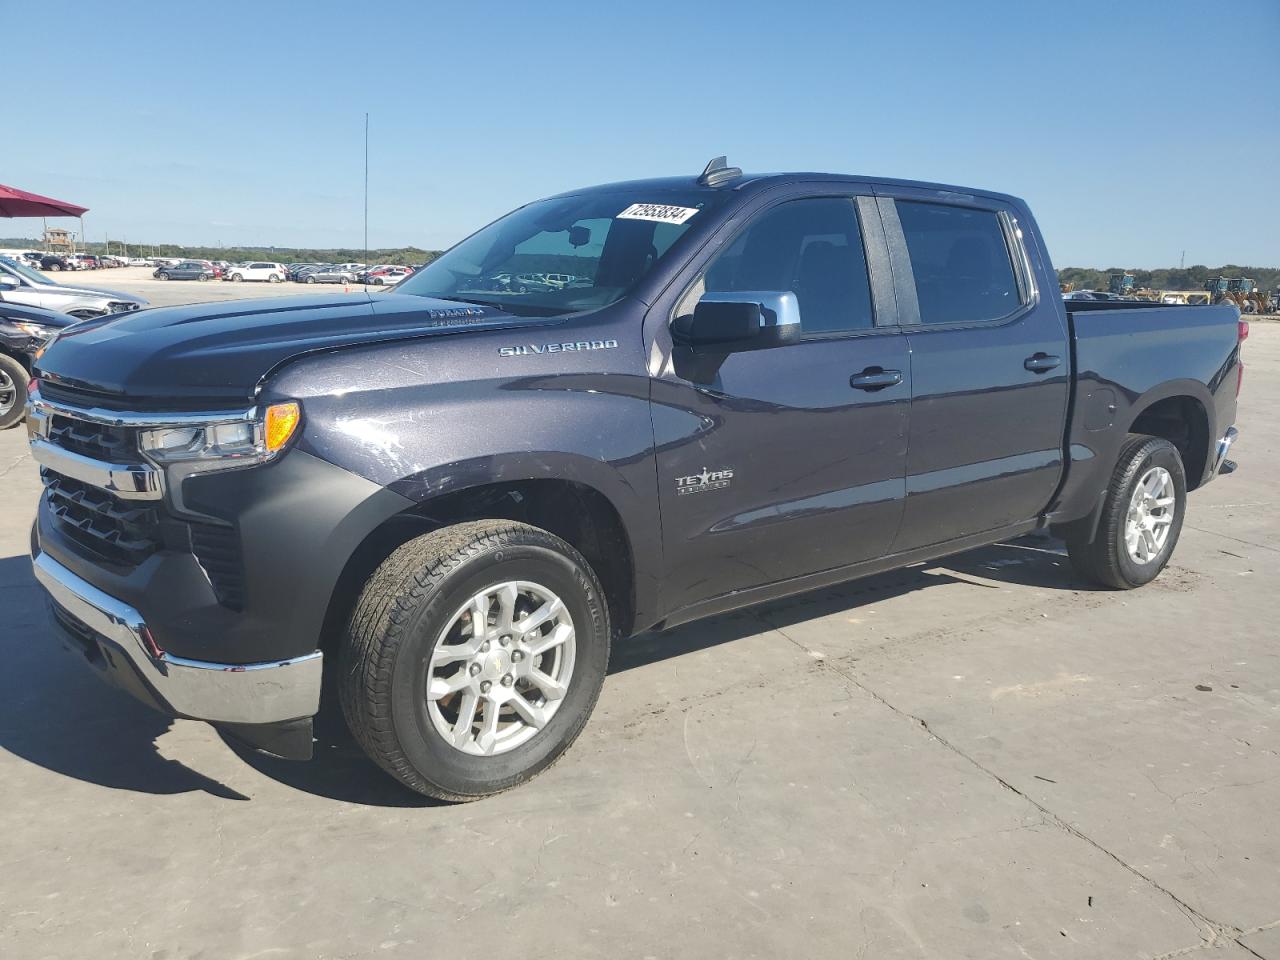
point(614, 410)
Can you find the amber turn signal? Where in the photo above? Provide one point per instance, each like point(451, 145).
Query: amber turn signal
point(282, 419)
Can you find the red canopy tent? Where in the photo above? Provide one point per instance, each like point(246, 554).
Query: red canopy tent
point(19, 203)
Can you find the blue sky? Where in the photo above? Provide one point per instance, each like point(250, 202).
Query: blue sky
point(1135, 129)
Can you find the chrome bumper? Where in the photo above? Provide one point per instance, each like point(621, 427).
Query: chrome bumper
point(1220, 462)
point(217, 692)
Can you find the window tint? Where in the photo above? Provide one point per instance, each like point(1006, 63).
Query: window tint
point(961, 263)
point(810, 247)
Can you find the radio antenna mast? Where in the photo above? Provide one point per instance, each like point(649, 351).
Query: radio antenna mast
point(366, 203)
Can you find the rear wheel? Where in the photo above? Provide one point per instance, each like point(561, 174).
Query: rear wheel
point(1141, 517)
point(311, 279)
point(473, 658)
point(274, 278)
point(237, 277)
point(13, 391)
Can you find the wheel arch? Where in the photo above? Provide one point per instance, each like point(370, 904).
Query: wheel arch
point(1178, 414)
point(577, 513)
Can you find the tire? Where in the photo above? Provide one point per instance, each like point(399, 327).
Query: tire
point(419, 597)
point(274, 278)
point(57, 267)
point(238, 278)
point(203, 277)
point(13, 391)
point(1108, 559)
point(163, 275)
point(311, 279)
point(376, 281)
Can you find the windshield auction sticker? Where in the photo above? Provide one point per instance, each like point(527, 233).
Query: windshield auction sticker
point(657, 211)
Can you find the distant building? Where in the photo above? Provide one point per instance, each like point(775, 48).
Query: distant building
point(57, 240)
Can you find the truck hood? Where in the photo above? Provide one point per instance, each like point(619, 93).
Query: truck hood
point(79, 291)
point(217, 353)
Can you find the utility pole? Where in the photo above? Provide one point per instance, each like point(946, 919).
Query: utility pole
point(1182, 264)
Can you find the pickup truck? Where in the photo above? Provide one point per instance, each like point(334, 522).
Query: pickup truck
point(456, 497)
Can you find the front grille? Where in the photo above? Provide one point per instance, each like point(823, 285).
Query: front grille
point(218, 551)
point(97, 441)
point(121, 532)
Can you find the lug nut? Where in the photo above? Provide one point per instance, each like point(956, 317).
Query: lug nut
point(484, 647)
point(508, 680)
point(505, 641)
point(475, 668)
point(484, 687)
point(517, 656)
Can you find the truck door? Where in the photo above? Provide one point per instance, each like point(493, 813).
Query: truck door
point(990, 368)
point(789, 460)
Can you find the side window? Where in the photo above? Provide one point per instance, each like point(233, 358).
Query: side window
point(960, 259)
point(811, 247)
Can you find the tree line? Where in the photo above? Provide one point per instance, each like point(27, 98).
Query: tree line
point(1170, 278)
point(407, 256)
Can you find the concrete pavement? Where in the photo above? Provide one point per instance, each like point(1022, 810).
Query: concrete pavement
point(977, 758)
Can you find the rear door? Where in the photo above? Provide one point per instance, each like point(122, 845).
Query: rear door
point(786, 461)
point(990, 366)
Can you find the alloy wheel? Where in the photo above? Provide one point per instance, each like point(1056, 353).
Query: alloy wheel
point(501, 668)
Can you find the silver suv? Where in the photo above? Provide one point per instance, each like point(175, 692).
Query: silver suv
point(20, 284)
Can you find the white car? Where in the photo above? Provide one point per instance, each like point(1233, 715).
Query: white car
point(139, 262)
point(258, 270)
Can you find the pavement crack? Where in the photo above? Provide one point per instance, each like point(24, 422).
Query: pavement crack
point(1227, 536)
point(1212, 932)
point(5, 471)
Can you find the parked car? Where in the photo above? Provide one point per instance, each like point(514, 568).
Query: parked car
point(815, 379)
point(23, 331)
point(257, 270)
point(385, 275)
point(328, 275)
point(22, 285)
point(139, 262)
point(56, 263)
point(186, 270)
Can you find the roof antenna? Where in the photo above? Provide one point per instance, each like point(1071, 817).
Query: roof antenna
point(717, 172)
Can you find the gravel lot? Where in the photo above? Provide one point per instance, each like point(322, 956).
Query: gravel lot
point(168, 293)
point(975, 758)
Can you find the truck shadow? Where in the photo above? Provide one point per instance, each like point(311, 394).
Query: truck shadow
point(56, 714)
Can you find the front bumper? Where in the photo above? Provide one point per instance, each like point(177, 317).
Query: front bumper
point(114, 638)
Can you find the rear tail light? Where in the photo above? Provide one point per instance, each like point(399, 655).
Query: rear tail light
point(1242, 331)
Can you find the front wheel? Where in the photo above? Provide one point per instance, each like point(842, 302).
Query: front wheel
point(237, 277)
point(162, 275)
point(311, 279)
point(473, 658)
point(13, 391)
point(1141, 517)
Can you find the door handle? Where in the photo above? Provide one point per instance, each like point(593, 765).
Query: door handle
point(875, 378)
point(1041, 362)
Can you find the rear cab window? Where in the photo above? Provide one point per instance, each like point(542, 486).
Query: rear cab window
point(960, 258)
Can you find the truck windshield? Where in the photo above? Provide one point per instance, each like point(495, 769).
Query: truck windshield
point(565, 254)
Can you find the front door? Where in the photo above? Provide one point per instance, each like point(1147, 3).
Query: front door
point(788, 460)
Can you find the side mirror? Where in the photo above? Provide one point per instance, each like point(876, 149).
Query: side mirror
point(738, 321)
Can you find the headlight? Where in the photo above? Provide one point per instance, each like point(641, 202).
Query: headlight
point(202, 447)
point(37, 330)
